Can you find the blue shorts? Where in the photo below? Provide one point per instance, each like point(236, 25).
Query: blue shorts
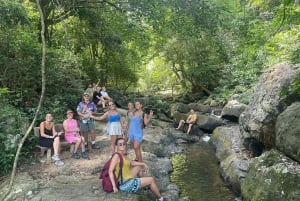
point(136, 137)
point(131, 185)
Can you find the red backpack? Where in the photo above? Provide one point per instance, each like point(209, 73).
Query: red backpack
point(104, 175)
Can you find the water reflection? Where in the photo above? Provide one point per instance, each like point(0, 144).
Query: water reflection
point(197, 175)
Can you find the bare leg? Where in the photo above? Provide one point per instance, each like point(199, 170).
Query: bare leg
point(85, 135)
point(93, 135)
point(113, 139)
point(137, 150)
point(189, 129)
point(126, 146)
point(150, 181)
point(136, 171)
point(56, 145)
point(77, 143)
point(82, 144)
point(181, 122)
point(103, 102)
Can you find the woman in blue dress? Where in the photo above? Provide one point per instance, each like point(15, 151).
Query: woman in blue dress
point(137, 122)
point(114, 128)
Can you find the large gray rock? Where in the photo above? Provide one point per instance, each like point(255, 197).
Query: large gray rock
point(232, 110)
point(204, 122)
point(199, 107)
point(229, 152)
point(267, 103)
point(288, 131)
point(208, 123)
point(272, 176)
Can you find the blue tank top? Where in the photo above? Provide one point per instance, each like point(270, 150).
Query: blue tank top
point(114, 118)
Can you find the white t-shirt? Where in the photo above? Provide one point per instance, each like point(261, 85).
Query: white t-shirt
point(104, 93)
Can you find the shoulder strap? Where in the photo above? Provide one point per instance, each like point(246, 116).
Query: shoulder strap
point(120, 175)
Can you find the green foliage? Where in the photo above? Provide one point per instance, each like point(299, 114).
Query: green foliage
point(295, 86)
point(13, 125)
point(12, 13)
point(138, 45)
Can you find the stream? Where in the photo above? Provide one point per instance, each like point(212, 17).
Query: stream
point(196, 172)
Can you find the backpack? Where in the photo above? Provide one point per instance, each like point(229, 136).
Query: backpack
point(104, 175)
point(143, 125)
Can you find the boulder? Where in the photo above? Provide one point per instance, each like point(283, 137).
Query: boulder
point(178, 116)
point(267, 103)
point(208, 123)
point(199, 107)
point(288, 131)
point(278, 178)
point(232, 110)
point(228, 146)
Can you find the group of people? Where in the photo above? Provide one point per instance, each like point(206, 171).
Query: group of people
point(120, 129)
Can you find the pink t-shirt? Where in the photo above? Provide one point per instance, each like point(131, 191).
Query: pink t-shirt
point(72, 125)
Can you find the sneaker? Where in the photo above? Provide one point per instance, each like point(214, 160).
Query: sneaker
point(59, 163)
point(94, 146)
point(75, 155)
point(162, 199)
point(84, 155)
point(55, 157)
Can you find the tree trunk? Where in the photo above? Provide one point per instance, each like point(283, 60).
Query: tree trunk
point(6, 196)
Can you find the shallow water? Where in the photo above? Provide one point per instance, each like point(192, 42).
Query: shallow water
point(196, 172)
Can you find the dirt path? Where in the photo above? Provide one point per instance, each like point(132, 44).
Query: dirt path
point(76, 180)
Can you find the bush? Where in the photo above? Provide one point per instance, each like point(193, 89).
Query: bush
point(13, 125)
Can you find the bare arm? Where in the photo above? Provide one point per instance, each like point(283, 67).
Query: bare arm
point(147, 118)
point(114, 161)
point(136, 163)
point(104, 116)
point(55, 133)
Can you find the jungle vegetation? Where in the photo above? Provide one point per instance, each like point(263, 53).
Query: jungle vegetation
point(214, 47)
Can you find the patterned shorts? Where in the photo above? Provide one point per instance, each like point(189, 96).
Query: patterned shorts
point(130, 185)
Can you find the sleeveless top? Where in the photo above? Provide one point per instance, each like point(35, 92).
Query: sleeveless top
point(71, 124)
point(47, 131)
point(126, 173)
point(114, 117)
point(135, 125)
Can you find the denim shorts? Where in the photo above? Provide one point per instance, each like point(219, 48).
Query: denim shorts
point(85, 127)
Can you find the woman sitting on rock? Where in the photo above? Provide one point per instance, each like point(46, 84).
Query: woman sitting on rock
point(131, 180)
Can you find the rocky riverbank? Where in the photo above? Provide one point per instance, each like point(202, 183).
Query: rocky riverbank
point(258, 153)
point(78, 179)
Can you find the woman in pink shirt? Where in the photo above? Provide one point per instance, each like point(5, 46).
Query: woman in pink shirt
point(72, 135)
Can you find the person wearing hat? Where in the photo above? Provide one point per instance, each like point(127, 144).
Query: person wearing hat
point(84, 109)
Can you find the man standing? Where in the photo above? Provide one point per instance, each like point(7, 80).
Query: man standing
point(84, 109)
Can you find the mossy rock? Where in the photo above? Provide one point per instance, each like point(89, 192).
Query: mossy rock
point(272, 177)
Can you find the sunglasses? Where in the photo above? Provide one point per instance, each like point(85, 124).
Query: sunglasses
point(121, 144)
